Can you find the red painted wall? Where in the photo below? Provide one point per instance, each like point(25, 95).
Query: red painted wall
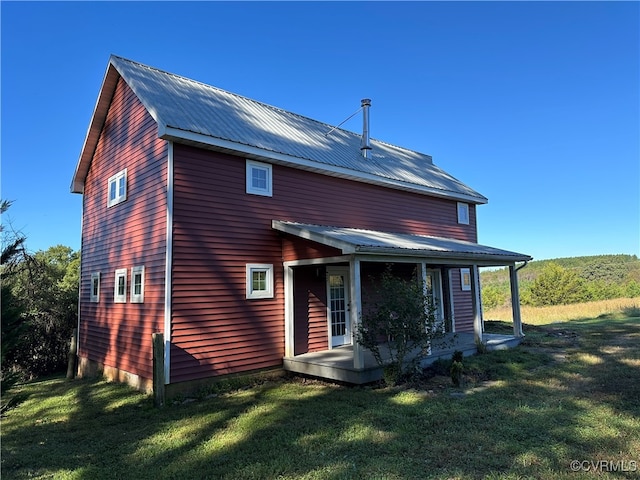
point(310, 309)
point(129, 234)
point(218, 229)
point(462, 303)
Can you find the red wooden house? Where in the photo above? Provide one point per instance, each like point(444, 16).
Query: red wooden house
point(246, 234)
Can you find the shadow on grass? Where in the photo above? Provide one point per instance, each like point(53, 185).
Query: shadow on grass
point(537, 416)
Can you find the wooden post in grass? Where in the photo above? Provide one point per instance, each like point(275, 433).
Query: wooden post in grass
point(158, 369)
point(71, 358)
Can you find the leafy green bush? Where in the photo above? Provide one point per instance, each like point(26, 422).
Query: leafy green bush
point(401, 321)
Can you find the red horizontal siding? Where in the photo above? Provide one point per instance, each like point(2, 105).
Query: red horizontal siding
point(462, 304)
point(123, 236)
point(218, 229)
point(310, 310)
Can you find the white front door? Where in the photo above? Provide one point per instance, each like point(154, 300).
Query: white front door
point(338, 306)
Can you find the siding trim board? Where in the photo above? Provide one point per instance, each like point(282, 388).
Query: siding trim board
point(168, 269)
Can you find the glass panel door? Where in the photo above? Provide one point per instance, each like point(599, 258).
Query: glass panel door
point(338, 295)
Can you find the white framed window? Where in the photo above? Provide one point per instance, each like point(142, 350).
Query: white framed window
point(259, 181)
point(259, 280)
point(95, 287)
point(120, 288)
point(463, 213)
point(117, 188)
point(465, 278)
point(137, 284)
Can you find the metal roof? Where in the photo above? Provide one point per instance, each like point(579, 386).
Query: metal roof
point(191, 112)
point(372, 242)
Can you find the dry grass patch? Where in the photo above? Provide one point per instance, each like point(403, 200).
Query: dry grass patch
point(564, 313)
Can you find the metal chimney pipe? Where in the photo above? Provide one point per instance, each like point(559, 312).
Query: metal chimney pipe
point(366, 144)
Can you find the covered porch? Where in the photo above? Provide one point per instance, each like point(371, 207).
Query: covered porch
point(448, 267)
point(337, 363)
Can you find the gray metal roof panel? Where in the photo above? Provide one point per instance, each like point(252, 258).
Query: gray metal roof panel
point(186, 105)
point(354, 240)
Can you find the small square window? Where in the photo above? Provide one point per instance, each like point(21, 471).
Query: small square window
point(120, 289)
point(259, 280)
point(137, 284)
point(463, 213)
point(95, 287)
point(259, 178)
point(465, 278)
point(117, 188)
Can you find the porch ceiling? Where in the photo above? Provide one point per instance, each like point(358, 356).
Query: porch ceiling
point(372, 242)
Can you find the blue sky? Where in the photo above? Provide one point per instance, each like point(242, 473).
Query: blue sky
point(533, 104)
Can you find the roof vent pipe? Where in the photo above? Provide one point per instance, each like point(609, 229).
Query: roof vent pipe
point(366, 144)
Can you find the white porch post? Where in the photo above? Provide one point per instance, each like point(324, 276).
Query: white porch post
point(355, 309)
point(515, 302)
point(477, 305)
point(288, 312)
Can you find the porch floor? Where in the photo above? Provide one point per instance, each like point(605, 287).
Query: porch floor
point(337, 363)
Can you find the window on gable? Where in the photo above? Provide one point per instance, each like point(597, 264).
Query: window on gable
point(463, 213)
point(259, 280)
point(259, 181)
point(95, 287)
point(137, 284)
point(120, 288)
point(117, 188)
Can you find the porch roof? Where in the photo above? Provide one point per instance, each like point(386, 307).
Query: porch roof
point(372, 242)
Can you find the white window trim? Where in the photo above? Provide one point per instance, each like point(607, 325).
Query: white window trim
point(463, 213)
point(95, 277)
point(137, 298)
point(120, 273)
point(259, 267)
point(116, 179)
point(465, 279)
point(266, 192)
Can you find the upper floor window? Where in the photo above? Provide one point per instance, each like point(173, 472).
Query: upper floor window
point(463, 213)
point(259, 180)
point(120, 288)
point(137, 284)
point(117, 188)
point(95, 287)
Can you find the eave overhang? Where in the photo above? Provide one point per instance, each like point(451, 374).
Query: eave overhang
point(256, 153)
point(377, 243)
point(95, 127)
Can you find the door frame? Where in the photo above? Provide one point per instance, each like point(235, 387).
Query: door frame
point(348, 336)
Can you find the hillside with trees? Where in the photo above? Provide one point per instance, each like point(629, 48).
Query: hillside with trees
point(564, 281)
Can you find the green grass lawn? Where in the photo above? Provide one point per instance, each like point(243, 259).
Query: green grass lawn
point(570, 392)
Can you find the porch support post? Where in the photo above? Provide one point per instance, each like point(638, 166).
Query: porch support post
point(515, 302)
point(355, 309)
point(288, 312)
point(476, 304)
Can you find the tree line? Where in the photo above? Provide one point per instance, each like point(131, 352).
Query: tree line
point(565, 281)
point(39, 307)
